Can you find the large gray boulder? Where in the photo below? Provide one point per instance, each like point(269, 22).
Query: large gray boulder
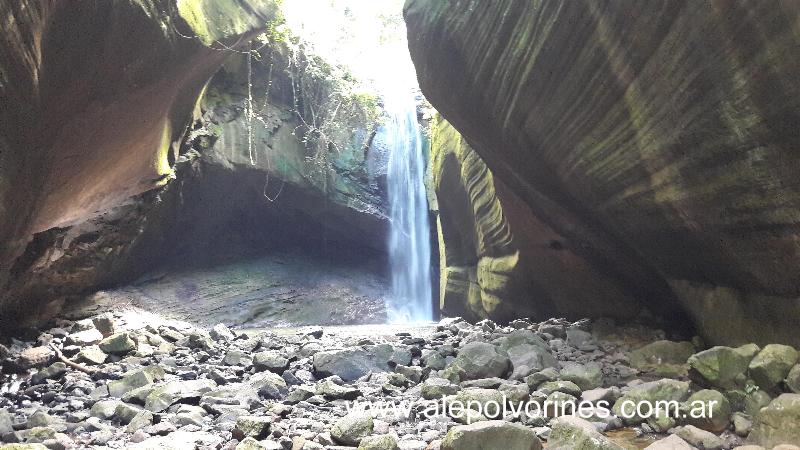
point(491, 434)
point(481, 360)
point(772, 365)
point(722, 367)
point(355, 362)
point(778, 423)
point(664, 390)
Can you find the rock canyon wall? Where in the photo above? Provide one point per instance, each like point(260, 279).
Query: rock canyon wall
point(656, 142)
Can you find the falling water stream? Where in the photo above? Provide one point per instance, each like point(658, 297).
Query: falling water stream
point(409, 242)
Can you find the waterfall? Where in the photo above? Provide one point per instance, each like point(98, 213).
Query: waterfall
point(409, 242)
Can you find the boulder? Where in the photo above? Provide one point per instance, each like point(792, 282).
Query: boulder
point(793, 379)
point(51, 372)
point(772, 364)
point(270, 360)
point(221, 333)
point(435, 388)
point(586, 376)
point(700, 438)
point(778, 422)
point(722, 367)
point(353, 363)
point(649, 393)
point(663, 358)
point(91, 355)
point(164, 396)
point(489, 434)
point(135, 379)
point(118, 344)
point(379, 442)
point(352, 428)
point(708, 410)
point(481, 360)
point(571, 432)
point(83, 338)
point(256, 427)
point(528, 353)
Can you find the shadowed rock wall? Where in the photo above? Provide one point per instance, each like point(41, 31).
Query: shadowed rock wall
point(94, 95)
point(658, 139)
point(497, 258)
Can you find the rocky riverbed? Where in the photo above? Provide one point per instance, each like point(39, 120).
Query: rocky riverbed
point(111, 381)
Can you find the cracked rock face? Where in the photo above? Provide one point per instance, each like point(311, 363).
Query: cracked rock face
point(655, 144)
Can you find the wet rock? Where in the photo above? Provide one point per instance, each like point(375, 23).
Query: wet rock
point(722, 367)
point(481, 360)
point(777, 423)
point(489, 434)
point(671, 442)
point(663, 358)
point(352, 428)
point(650, 393)
point(571, 432)
point(91, 355)
point(118, 344)
point(586, 376)
point(712, 411)
point(772, 365)
point(700, 438)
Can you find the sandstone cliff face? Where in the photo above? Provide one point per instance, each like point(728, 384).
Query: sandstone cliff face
point(658, 140)
point(94, 95)
point(497, 258)
point(244, 184)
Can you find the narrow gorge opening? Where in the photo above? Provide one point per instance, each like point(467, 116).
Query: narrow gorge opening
point(399, 225)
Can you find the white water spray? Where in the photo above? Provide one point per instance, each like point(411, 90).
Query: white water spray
point(409, 243)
